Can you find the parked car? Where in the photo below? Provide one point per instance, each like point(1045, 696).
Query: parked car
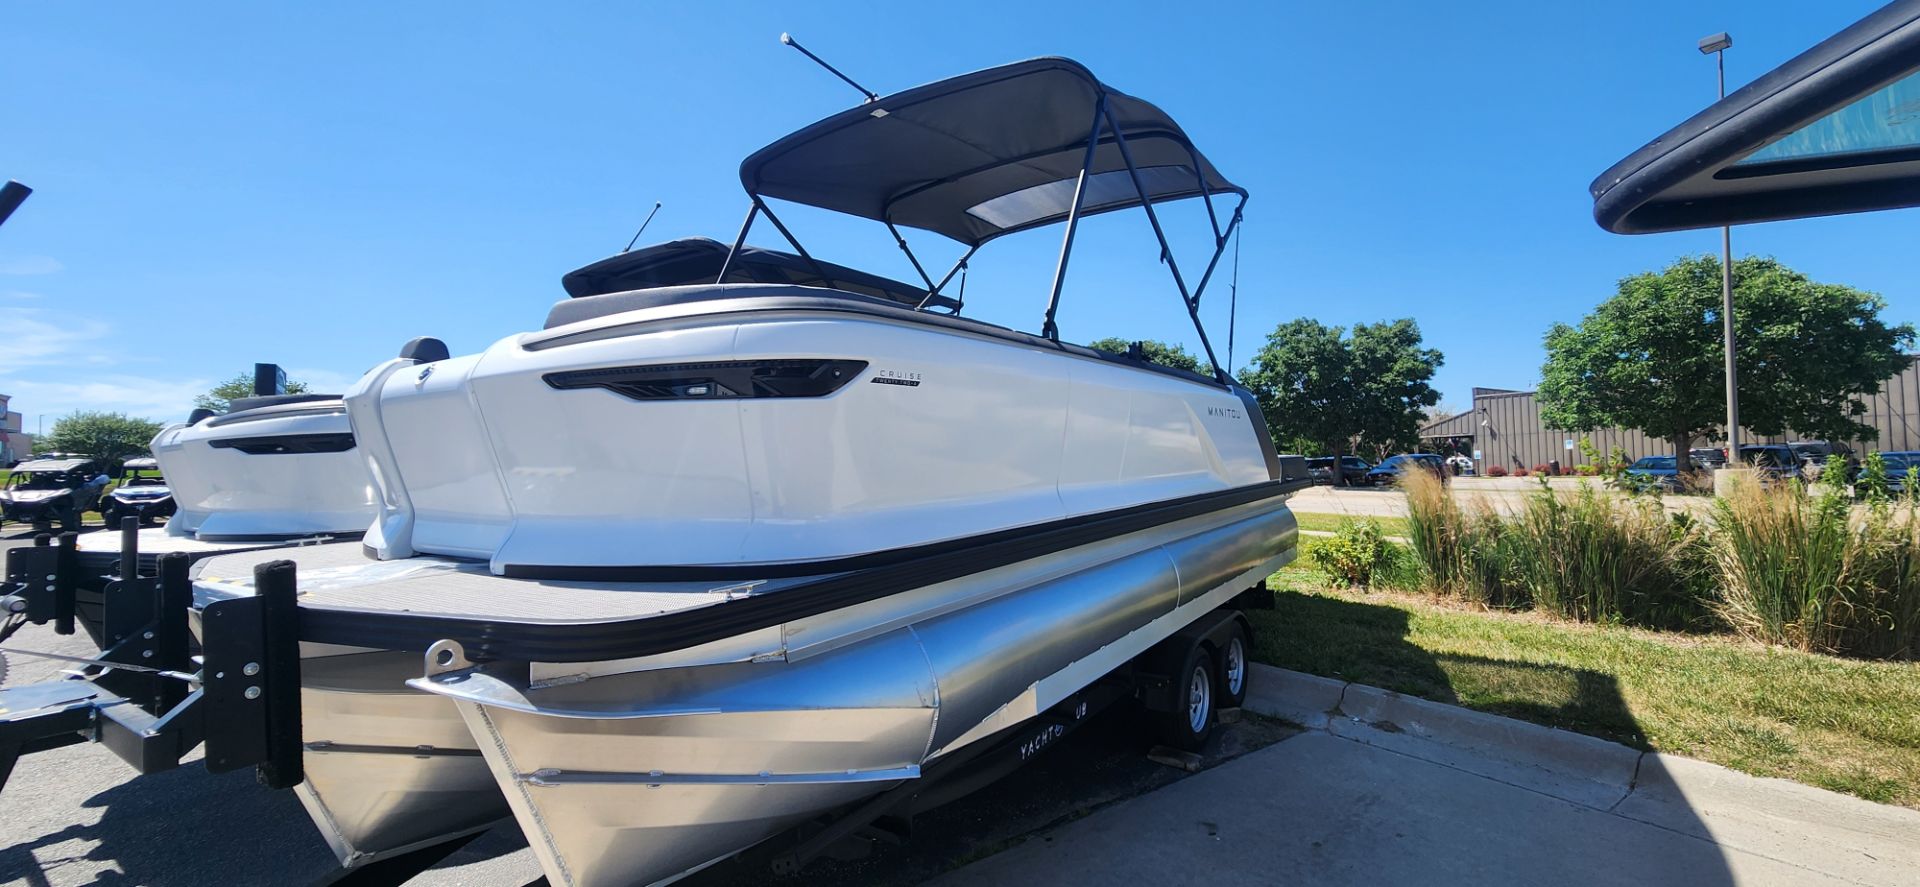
point(1661, 471)
point(1813, 454)
point(45, 490)
point(1708, 458)
point(1389, 471)
point(1773, 461)
point(142, 493)
point(1354, 468)
point(1900, 468)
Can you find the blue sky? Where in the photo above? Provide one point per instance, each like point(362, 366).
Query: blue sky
point(224, 183)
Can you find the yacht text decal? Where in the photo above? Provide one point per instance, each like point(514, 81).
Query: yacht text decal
point(896, 377)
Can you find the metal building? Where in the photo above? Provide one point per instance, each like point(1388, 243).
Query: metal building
point(1504, 428)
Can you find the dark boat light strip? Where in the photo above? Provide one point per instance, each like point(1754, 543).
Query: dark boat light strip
point(727, 379)
point(286, 444)
point(856, 580)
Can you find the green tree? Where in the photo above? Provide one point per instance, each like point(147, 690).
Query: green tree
point(109, 436)
point(1330, 391)
point(1650, 358)
point(224, 394)
point(1159, 352)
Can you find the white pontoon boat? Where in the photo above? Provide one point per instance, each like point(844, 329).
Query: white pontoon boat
point(694, 564)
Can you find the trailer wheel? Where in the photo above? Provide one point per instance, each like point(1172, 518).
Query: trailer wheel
point(1232, 668)
point(1189, 725)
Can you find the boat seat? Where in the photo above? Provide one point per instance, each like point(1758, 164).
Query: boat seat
point(582, 308)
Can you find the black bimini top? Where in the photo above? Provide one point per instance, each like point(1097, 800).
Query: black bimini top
point(697, 260)
point(1835, 130)
point(984, 154)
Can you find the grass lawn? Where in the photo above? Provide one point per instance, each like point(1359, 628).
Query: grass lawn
point(1846, 725)
point(1392, 526)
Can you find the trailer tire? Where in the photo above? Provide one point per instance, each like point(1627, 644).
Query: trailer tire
point(1190, 725)
point(1232, 667)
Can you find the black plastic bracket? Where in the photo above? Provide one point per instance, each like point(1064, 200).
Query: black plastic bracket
point(252, 678)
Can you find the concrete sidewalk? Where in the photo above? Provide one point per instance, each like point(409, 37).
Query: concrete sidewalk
point(1387, 789)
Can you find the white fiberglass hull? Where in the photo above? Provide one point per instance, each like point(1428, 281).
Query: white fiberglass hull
point(278, 471)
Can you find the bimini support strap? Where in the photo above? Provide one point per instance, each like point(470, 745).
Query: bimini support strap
point(1049, 329)
point(1233, 299)
point(960, 268)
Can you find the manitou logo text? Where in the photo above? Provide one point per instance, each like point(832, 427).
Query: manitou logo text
point(1228, 412)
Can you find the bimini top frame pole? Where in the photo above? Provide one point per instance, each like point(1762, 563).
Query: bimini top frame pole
point(986, 154)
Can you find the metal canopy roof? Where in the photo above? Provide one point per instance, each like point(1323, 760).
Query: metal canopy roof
point(67, 464)
point(984, 154)
point(1834, 130)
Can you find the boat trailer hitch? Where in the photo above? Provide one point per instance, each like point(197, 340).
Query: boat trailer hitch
point(146, 697)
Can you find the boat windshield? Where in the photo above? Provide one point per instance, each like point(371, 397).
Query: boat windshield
point(1883, 121)
point(41, 480)
point(1900, 463)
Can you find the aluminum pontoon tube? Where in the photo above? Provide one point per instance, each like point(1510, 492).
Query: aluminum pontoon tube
point(388, 768)
point(638, 777)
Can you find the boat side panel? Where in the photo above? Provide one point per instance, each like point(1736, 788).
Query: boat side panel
point(969, 439)
point(224, 491)
point(444, 459)
point(944, 434)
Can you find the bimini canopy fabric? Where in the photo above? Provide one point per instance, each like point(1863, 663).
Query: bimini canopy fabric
point(696, 260)
point(1835, 130)
point(983, 154)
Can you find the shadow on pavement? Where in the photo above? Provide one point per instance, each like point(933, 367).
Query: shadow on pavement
point(1368, 644)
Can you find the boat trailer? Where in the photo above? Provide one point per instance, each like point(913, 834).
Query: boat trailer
point(151, 700)
point(147, 697)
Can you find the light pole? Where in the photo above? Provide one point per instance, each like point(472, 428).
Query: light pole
point(1716, 45)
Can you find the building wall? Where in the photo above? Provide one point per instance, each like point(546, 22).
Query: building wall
point(1508, 431)
point(15, 444)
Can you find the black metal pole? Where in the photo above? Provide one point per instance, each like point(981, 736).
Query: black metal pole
point(275, 584)
point(746, 226)
point(1048, 329)
point(817, 267)
point(67, 571)
point(129, 548)
point(1166, 252)
point(910, 256)
point(949, 276)
point(170, 641)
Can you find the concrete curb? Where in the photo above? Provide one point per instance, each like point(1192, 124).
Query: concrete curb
point(1567, 765)
point(1307, 700)
point(1579, 768)
point(1707, 801)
